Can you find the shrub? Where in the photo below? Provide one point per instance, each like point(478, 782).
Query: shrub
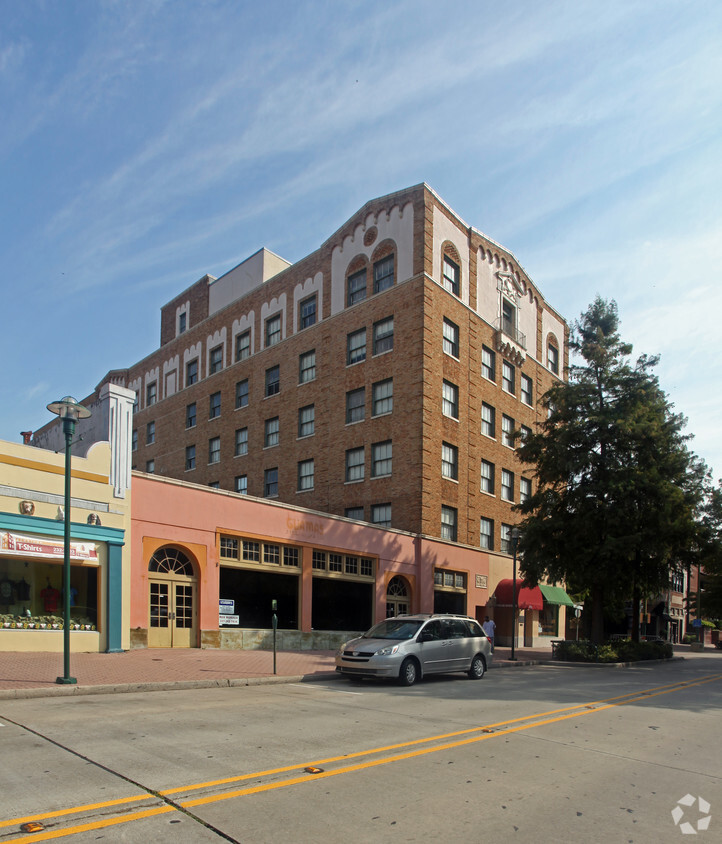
point(620, 650)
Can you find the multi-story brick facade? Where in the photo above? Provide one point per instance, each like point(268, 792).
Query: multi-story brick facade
point(380, 377)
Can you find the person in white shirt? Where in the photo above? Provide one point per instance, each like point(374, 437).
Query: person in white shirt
point(489, 628)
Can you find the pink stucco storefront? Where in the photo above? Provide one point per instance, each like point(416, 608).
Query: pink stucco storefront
point(206, 565)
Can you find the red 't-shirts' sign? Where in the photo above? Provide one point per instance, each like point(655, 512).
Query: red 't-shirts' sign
point(40, 546)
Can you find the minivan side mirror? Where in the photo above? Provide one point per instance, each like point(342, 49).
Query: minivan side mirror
point(424, 637)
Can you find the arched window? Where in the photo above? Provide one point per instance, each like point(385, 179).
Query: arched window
point(170, 561)
point(397, 597)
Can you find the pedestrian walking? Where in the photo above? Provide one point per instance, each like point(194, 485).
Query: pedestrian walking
point(490, 629)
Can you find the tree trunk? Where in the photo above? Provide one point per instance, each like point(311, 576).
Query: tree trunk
point(597, 614)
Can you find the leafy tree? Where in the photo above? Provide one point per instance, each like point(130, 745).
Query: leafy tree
point(613, 505)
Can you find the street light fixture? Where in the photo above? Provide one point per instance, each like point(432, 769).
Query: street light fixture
point(69, 411)
point(514, 545)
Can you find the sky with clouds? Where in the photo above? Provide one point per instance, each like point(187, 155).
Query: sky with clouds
point(145, 143)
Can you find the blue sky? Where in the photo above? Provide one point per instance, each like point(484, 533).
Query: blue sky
point(146, 143)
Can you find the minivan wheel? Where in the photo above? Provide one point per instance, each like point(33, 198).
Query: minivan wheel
point(477, 668)
point(409, 672)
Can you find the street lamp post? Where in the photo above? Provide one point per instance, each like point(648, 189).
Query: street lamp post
point(69, 411)
point(514, 545)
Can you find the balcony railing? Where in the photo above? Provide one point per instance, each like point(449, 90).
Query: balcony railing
point(503, 326)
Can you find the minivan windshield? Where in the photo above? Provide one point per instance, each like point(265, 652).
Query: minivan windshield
point(394, 628)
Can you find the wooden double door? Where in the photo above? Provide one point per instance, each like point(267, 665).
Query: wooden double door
point(173, 612)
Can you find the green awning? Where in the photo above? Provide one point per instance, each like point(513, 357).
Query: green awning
point(555, 595)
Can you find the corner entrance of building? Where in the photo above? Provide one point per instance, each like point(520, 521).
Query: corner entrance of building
point(172, 601)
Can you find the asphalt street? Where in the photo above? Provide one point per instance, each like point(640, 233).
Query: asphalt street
point(545, 753)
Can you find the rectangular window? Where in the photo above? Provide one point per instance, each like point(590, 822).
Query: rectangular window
point(305, 475)
point(450, 400)
point(449, 461)
point(505, 539)
point(508, 319)
point(216, 360)
point(383, 335)
point(451, 338)
point(182, 322)
point(290, 556)
point(242, 393)
point(335, 562)
point(356, 513)
point(355, 464)
point(488, 363)
point(356, 347)
point(306, 420)
point(486, 534)
point(527, 395)
point(553, 358)
point(214, 450)
point(356, 287)
point(507, 431)
point(271, 554)
point(150, 466)
point(524, 433)
point(270, 482)
point(384, 274)
point(241, 484)
point(524, 489)
point(243, 345)
point(273, 330)
point(241, 442)
point(191, 415)
point(190, 457)
point(214, 405)
point(307, 312)
point(307, 367)
point(191, 372)
point(214, 484)
point(383, 397)
point(451, 276)
point(488, 420)
point(151, 394)
point(150, 433)
point(251, 551)
point(271, 432)
point(381, 514)
point(508, 377)
point(273, 380)
point(134, 440)
point(507, 485)
point(229, 548)
point(487, 477)
point(381, 459)
point(449, 518)
point(355, 405)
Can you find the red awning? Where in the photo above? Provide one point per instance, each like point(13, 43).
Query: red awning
point(526, 598)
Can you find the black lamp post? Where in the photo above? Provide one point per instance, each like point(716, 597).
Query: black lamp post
point(69, 411)
point(514, 545)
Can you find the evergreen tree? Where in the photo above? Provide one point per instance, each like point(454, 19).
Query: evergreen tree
point(611, 510)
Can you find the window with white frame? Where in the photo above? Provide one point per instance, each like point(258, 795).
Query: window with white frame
point(449, 461)
point(524, 489)
point(271, 432)
point(507, 431)
point(384, 274)
point(356, 513)
point(307, 367)
point(150, 466)
point(524, 433)
point(450, 400)
point(488, 363)
point(383, 397)
point(150, 433)
point(191, 372)
point(306, 420)
point(214, 450)
point(526, 389)
point(241, 442)
point(451, 276)
point(449, 519)
point(190, 457)
point(151, 394)
point(507, 485)
point(355, 464)
point(273, 330)
point(273, 380)
point(505, 539)
point(508, 377)
point(242, 393)
point(486, 534)
point(381, 514)
point(553, 358)
point(216, 360)
point(243, 346)
point(182, 322)
point(356, 287)
point(383, 335)
point(191, 415)
point(305, 475)
point(451, 338)
point(487, 477)
point(356, 346)
point(488, 420)
point(355, 405)
point(381, 454)
point(307, 312)
point(240, 484)
point(214, 405)
point(270, 482)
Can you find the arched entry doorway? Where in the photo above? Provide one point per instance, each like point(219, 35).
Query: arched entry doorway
point(398, 597)
point(172, 600)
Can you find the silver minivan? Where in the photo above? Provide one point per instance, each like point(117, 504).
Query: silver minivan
point(409, 646)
